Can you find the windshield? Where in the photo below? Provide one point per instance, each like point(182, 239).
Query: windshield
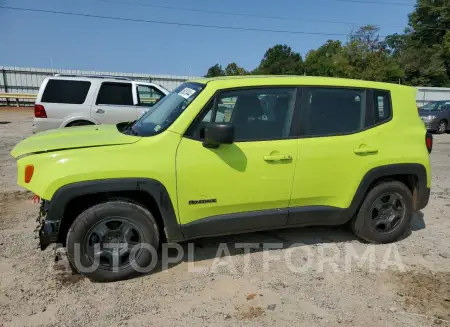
point(435, 106)
point(165, 112)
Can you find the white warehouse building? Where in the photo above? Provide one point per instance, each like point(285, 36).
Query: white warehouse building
point(426, 94)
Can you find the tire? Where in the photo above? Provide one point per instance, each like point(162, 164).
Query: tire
point(442, 127)
point(101, 214)
point(79, 123)
point(362, 224)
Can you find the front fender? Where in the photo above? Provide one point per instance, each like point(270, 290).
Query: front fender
point(60, 200)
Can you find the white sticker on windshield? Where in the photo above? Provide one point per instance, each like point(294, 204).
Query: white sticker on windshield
point(186, 93)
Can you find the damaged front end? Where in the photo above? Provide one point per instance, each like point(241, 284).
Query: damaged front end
point(46, 229)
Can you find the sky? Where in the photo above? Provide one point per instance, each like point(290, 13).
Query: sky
point(50, 40)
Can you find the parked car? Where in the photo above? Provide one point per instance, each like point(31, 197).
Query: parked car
point(436, 115)
point(326, 152)
point(69, 100)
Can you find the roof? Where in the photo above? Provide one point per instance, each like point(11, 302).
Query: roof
point(102, 78)
point(255, 80)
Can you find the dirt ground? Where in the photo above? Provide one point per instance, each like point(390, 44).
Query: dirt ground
point(406, 284)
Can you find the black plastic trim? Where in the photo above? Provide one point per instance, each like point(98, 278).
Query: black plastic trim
point(236, 223)
point(153, 187)
point(317, 215)
point(377, 173)
point(307, 215)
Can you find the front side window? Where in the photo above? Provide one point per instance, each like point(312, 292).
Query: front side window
point(334, 111)
point(65, 91)
point(115, 94)
point(148, 96)
point(257, 114)
point(166, 111)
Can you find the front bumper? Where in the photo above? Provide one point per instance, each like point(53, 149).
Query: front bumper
point(47, 229)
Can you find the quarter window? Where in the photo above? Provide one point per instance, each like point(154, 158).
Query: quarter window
point(257, 114)
point(65, 91)
point(333, 111)
point(115, 94)
point(382, 106)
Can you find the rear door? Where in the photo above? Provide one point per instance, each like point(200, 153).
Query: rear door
point(344, 134)
point(114, 103)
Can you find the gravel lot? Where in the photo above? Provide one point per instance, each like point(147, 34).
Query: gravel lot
point(411, 289)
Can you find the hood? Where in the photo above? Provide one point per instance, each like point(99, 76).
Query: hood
point(72, 138)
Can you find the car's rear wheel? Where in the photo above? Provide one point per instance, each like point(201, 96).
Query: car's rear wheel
point(442, 127)
point(112, 241)
point(385, 213)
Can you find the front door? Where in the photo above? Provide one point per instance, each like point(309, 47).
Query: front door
point(245, 185)
point(114, 103)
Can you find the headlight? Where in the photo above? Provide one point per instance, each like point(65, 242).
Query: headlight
point(431, 117)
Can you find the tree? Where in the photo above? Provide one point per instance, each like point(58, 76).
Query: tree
point(214, 71)
point(368, 57)
point(426, 55)
point(327, 60)
point(280, 60)
point(234, 69)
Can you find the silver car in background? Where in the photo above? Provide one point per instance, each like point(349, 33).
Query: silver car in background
point(436, 115)
point(76, 100)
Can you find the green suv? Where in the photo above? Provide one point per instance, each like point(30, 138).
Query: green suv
point(230, 155)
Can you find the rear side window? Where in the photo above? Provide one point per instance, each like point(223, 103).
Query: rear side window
point(116, 94)
point(334, 111)
point(382, 106)
point(65, 91)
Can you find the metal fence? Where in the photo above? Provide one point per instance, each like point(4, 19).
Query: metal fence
point(28, 80)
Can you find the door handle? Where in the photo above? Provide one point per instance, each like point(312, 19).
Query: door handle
point(365, 150)
point(100, 111)
point(278, 157)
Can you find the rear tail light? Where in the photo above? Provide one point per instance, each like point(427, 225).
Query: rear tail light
point(429, 142)
point(29, 170)
point(39, 111)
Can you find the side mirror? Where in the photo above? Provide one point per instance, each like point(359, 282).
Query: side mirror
point(216, 134)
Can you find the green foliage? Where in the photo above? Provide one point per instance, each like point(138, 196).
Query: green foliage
point(327, 60)
point(280, 60)
point(419, 56)
point(215, 71)
point(233, 69)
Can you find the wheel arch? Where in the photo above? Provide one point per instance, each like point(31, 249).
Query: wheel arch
point(77, 117)
point(72, 199)
point(414, 176)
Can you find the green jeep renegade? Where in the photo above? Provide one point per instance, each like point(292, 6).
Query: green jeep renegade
point(230, 155)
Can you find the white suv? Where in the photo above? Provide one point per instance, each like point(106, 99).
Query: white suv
point(75, 100)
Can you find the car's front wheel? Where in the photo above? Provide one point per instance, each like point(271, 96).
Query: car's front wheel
point(385, 213)
point(112, 241)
